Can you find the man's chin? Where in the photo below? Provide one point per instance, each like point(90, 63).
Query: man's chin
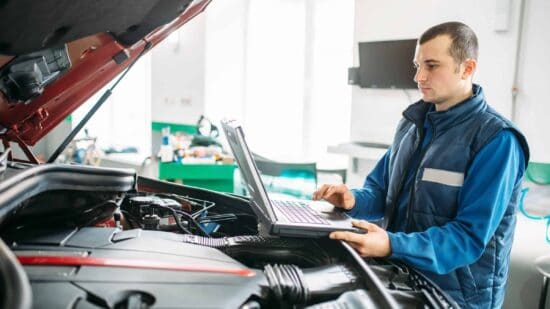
point(427, 99)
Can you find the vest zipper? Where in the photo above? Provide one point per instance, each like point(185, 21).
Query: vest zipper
point(408, 215)
point(393, 205)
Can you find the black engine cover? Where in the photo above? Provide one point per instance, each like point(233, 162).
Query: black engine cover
point(141, 267)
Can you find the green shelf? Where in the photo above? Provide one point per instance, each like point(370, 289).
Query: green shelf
point(217, 177)
point(174, 127)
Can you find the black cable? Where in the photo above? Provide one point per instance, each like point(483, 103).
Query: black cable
point(132, 222)
point(373, 282)
point(176, 218)
point(99, 216)
point(191, 219)
point(156, 201)
point(191, 201)
point(174, 214)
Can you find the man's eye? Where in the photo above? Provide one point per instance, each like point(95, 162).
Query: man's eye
point(431, 66)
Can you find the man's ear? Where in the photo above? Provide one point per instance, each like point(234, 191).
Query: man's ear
point(470, 66)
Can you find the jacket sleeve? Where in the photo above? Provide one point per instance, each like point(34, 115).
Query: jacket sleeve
point(371, 199)
point(488, 187)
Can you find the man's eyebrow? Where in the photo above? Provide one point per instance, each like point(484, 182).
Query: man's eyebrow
point(431, 61)
point(427, 61)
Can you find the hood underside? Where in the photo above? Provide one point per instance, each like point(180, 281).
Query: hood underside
point(68, 50)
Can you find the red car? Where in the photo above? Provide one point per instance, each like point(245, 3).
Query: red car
point(86, 237)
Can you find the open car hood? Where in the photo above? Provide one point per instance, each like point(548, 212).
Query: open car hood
point(54, 54)
point(74, 236)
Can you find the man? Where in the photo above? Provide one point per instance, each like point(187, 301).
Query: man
point(448, 186)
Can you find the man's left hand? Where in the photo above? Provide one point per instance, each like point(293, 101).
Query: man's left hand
point(375, 243)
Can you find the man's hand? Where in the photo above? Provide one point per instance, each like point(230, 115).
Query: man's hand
point(375, 243)
point(338, 195)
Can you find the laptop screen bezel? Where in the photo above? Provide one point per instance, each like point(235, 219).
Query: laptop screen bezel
point(260, 200)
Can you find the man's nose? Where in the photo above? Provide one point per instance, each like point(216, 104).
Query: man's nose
point(420, 75)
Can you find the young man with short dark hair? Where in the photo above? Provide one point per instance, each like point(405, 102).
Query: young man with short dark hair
point(448, 187)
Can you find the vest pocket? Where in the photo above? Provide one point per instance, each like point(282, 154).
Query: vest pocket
point(437, 192)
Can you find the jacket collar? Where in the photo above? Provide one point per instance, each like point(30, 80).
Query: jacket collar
point(417, 112)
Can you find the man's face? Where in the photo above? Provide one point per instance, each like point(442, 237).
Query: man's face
point(438, 76)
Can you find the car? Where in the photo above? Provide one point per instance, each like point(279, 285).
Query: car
point(75, 236)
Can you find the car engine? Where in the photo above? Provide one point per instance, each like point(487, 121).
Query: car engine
point(105, 238)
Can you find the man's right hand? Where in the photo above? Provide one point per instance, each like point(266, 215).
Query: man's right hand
point(338, 195)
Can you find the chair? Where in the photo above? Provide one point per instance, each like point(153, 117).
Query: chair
point(292, 178)
point(341, 172)
point(539, 173)
point(295, 179)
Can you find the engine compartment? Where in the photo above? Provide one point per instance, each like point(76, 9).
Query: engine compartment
point(171, 246)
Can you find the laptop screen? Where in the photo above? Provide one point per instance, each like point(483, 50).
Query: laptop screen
point(260, 200)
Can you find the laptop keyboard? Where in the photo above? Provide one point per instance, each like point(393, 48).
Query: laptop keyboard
point(299, 212)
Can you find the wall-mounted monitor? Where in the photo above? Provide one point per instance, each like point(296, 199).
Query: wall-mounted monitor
point(387, 64)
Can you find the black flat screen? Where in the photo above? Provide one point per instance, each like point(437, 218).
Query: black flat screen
point(387, 64)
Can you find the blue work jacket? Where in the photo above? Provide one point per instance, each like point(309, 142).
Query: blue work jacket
point(447, 191)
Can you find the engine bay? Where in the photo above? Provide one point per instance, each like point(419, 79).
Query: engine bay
point(170, 246)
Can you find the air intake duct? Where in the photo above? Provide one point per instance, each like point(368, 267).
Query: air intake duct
point(289, 283)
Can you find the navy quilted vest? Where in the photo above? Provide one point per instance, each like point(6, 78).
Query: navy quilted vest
point(459, 133)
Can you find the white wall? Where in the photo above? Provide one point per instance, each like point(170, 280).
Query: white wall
point(280, 66)
point(124, 119)
point(225, 51)
point(533, 110)
point(375, 112)
point(274, 94)
point(177, 75)
point(328, 110)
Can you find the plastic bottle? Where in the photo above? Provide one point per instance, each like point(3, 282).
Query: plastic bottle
point(166, 152)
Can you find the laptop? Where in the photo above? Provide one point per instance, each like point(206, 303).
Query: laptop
point(293, 217)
